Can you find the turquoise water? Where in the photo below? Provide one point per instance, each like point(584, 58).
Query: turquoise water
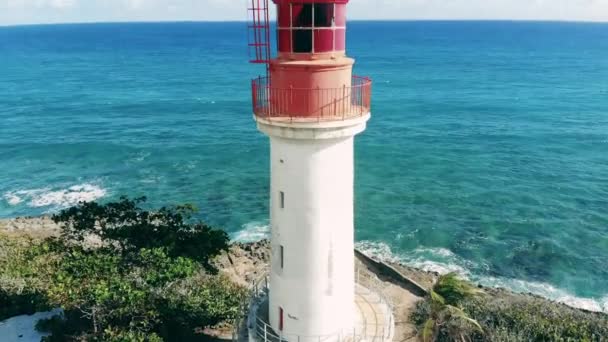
point(487, 153)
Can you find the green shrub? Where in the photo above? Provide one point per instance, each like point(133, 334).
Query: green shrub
point(203, 301)
point(144, 293)
point(149, 279)
point(440, 317)
point(117, 335)
point(127, 227)
point(21, 290)
point(506, 317)
point(535, 319)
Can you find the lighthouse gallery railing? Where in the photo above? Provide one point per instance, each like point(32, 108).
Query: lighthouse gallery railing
point(312, 103)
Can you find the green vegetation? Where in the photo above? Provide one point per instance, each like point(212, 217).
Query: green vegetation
point(442, 316)
point(516, 318)
point(121, 273)
point(457, 311)
point(20, 289)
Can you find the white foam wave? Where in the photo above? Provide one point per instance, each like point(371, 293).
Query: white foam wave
point(438, 260)
point(604, 303)
point(442, 261)
point(141, 156)
point(252, 232)
point(548, 291)
point(48, 197)
point(12, 198)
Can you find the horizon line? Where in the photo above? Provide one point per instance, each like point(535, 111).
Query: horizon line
point(272, 21)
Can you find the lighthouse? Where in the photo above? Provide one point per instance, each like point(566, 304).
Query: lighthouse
point(311, 107)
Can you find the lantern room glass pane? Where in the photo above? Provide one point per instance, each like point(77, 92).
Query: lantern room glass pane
point(301, 15)
point(284, 13)
point(302, 41)
point(284, 39)
point(324, 40)
point(340, 39)
point(340, 15)
point(324, 15)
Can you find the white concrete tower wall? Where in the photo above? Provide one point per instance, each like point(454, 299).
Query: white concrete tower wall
point(312, 268)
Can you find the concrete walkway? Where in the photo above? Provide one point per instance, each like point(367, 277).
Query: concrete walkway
point(402, 301)
point(374, 320)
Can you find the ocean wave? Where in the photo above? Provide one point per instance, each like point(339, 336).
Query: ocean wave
point(252, 232)
point(547, 291)
point(49, 197)
point(12, 198)
point(442, 261)
point(438, 260)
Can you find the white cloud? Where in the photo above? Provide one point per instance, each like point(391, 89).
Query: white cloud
point(134, 4)
point(61, 4)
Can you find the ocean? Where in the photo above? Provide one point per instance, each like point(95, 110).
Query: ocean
point(487, 153)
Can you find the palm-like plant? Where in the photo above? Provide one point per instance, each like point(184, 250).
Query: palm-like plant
point(445, 314)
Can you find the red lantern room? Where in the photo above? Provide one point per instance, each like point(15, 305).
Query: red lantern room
point(311, 29)
point(311, 77)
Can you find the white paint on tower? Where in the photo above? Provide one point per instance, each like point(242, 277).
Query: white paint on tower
point(312, 278)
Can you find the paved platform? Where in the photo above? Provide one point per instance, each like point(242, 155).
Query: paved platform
point(374, 319)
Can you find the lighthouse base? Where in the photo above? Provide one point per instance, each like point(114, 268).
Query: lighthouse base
point(374, 319)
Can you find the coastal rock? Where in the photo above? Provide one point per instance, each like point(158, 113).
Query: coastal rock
point(245, 263)
point(33, 226)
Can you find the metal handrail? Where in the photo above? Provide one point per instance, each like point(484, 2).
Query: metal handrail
point(374, 284)
point(264, 332)
point(346, 102)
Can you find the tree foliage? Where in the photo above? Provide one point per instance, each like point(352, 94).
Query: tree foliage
point(454, 311)
point(148, 277)
point(443, 318)
point(21, 292)
point(127, 227)
point(531, 318)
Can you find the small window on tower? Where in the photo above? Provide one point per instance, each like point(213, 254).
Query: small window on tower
point(302, 41)
point(324, 15)
point(282, 199)
point(301, 15)
point(282, 256)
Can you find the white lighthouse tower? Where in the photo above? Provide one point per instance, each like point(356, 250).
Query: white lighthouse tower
point(311, 107)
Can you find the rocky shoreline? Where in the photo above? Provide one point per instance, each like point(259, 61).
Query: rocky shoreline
point(42, 226)
point(248, 262)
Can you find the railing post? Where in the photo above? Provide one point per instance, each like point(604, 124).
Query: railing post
point(319, 106)
point(267, 99)
point(343, 101)
point(265, 333)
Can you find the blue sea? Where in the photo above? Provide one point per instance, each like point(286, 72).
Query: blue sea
point(487, 153)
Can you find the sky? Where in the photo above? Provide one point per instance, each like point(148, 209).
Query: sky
point(17, 12)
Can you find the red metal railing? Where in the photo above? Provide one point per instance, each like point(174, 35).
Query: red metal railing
point(316, 103)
